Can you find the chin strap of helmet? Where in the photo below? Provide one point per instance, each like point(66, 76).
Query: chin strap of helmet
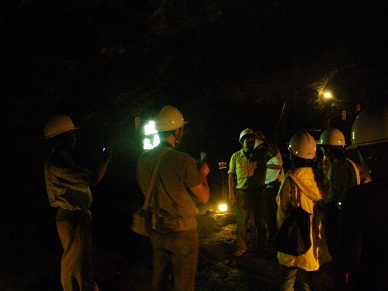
point(178, 136)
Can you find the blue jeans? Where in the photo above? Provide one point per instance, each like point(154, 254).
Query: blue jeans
point(175, 254)
point(289, 277)
point(75, 232)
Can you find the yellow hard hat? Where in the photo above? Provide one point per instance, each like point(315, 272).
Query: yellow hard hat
point(57, 125)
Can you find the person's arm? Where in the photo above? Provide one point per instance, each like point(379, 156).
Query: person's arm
point(202, 191)
point(100, 173)
point(101, 168)
point(232, 188)
point(273, 166)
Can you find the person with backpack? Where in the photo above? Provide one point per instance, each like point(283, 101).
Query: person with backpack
point(302, 186)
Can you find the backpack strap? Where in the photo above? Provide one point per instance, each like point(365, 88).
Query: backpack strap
point(356, 170)
point(155, 173)
point(295, 193)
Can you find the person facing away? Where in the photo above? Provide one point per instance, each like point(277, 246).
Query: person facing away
point(307, 183)
point(68, 189)
point(363, 224)
point(343, 174)
point(180, 184)
point(247, 168)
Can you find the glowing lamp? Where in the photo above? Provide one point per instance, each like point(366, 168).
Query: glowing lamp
point(222, 207)
point(327, 95)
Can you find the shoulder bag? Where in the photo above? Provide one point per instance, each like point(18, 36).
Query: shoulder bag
point(142, 218)
point(293, 237)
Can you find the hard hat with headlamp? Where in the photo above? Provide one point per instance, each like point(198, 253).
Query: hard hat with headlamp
point(57, 125)
point(169, 118)
point(246, 132)
point(302, 145)
point(332, 137)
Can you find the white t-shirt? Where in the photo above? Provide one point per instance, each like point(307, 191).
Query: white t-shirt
point(273, 174)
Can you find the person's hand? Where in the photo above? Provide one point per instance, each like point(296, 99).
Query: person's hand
point(205, 170)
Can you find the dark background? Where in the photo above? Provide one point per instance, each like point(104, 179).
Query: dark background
point(227, 65)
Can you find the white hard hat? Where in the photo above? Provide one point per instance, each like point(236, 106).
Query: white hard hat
point(332, 137)
point(303, 145)
point(57, 125)
point(258, 141)
point(244, 133)
point(370, 127)
point(169, 118)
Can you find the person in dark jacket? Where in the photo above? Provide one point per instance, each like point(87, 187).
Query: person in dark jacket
point(363, 225)
point(343, 174)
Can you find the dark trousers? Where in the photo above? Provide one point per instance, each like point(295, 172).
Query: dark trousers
point(259, 202)
point(272, 191)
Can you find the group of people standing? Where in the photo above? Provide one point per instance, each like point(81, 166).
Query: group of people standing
point(349, 225)
point(346, 201)
point(179, 184)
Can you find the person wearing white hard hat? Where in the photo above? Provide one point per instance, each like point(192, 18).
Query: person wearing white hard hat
point(303, 185)
point(68, 189)
point(363, 225)
point(179, 185)
point(343, 174)
point(247, 169)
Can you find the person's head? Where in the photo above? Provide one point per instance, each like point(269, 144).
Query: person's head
point(332, 143)
point(169, 124)
point(302, 148)
point(247, 139)
point(370, 137)
point(60, 132)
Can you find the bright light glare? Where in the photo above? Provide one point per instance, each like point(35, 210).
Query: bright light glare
point(223, 207)
point(150, 128)
point(156, 140)
point(152, 138)
point(327, 95)
point(147, 144)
